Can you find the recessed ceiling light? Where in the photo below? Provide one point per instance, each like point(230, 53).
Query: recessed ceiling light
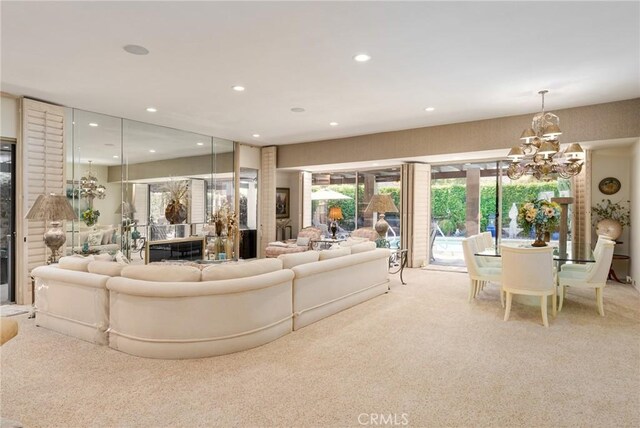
point(200, 144)
point(333, 123)
point(429, 109)
point(136, 49)
point(256, 135)
point(297, 110)
point(152, 109)
point(152, 151)
point(116, 156)
point(238, 88)
point(93, 124)
point(362, 57)
point(375, 164)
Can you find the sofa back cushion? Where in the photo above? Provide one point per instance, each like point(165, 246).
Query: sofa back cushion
point(108, 235)
point(106, 268)
point(240, 270)
point(331, 254)
point(365, 232)
point(295, 259)
point(361, 248)
point(78, 263)
point(162, 273)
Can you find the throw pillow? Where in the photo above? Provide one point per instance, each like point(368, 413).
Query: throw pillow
point(107, 236)
point(303, 241)
point(95, 238)
point(120, 258)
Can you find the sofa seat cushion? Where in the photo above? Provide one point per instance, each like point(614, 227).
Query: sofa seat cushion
point(240, 270)
point(106, 267)
point(361, 248)
point(170, 273)
point(291, 260)
point(332, 254)
point(77, 263)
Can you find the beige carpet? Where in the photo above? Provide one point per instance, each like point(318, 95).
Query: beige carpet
point(420, 350)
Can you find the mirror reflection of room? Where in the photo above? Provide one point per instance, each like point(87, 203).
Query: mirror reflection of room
point(144, 188)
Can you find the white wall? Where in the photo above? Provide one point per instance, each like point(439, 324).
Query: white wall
point(290, 180)
point(9, 117)
point(613, 162)
point(635, 214)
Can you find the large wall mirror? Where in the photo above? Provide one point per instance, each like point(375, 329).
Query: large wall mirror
point(147, 190)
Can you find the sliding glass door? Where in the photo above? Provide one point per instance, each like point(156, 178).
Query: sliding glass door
point(7, 221)
point(475, 197)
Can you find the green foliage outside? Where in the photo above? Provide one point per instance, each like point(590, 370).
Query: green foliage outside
point(349, 205)
point(448, 202)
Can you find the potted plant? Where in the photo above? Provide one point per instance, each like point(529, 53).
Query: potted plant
point(540, 215)
point(611, 218)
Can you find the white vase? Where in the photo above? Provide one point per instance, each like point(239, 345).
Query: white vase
point(609, 228)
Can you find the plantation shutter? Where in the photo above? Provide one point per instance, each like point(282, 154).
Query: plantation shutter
point(267, 198)
point(305, 179)
point(581, 213)
point(43, 171)
point(416, 212)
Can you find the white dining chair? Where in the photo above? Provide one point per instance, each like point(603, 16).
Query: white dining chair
point(480, 244)
point(594, 275)
point(488, 239)
point(596, 254)
point(528, 271)
point(479, 275)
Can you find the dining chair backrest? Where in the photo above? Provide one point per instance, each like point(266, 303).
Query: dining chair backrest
point(599, 270)
point(468, 249)
point(488, 239)
point(528, 269)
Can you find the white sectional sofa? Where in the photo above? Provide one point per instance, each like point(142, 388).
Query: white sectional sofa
point(178, 311)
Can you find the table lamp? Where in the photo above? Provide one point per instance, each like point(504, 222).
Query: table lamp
point(381, 204)
point(53, 208)
point(335, 214)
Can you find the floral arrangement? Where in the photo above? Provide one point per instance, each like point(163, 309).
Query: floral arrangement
point(608, 210)
point(224, 216)
point(90, 216)
point(540, 214)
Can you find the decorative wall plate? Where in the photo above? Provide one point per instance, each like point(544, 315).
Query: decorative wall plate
point(609, 185)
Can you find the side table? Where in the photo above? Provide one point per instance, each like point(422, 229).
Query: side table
point(397, 262)
point(612, 273)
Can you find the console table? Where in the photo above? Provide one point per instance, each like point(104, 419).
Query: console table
point(191, 248)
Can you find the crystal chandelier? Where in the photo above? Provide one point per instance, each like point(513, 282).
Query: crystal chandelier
point(89, 187)
point(539, 153)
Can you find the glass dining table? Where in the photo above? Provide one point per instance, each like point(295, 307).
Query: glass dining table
point(584, 254)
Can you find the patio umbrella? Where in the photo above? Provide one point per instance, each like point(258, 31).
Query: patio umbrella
point(326, 194)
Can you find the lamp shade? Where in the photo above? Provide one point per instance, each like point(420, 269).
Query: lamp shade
point(516, 153)
point(125, 208)
point(51, 207)
point(381, 204)
point(335, 213)
point(574, 151)
point(547, 148)
point(527, 135)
